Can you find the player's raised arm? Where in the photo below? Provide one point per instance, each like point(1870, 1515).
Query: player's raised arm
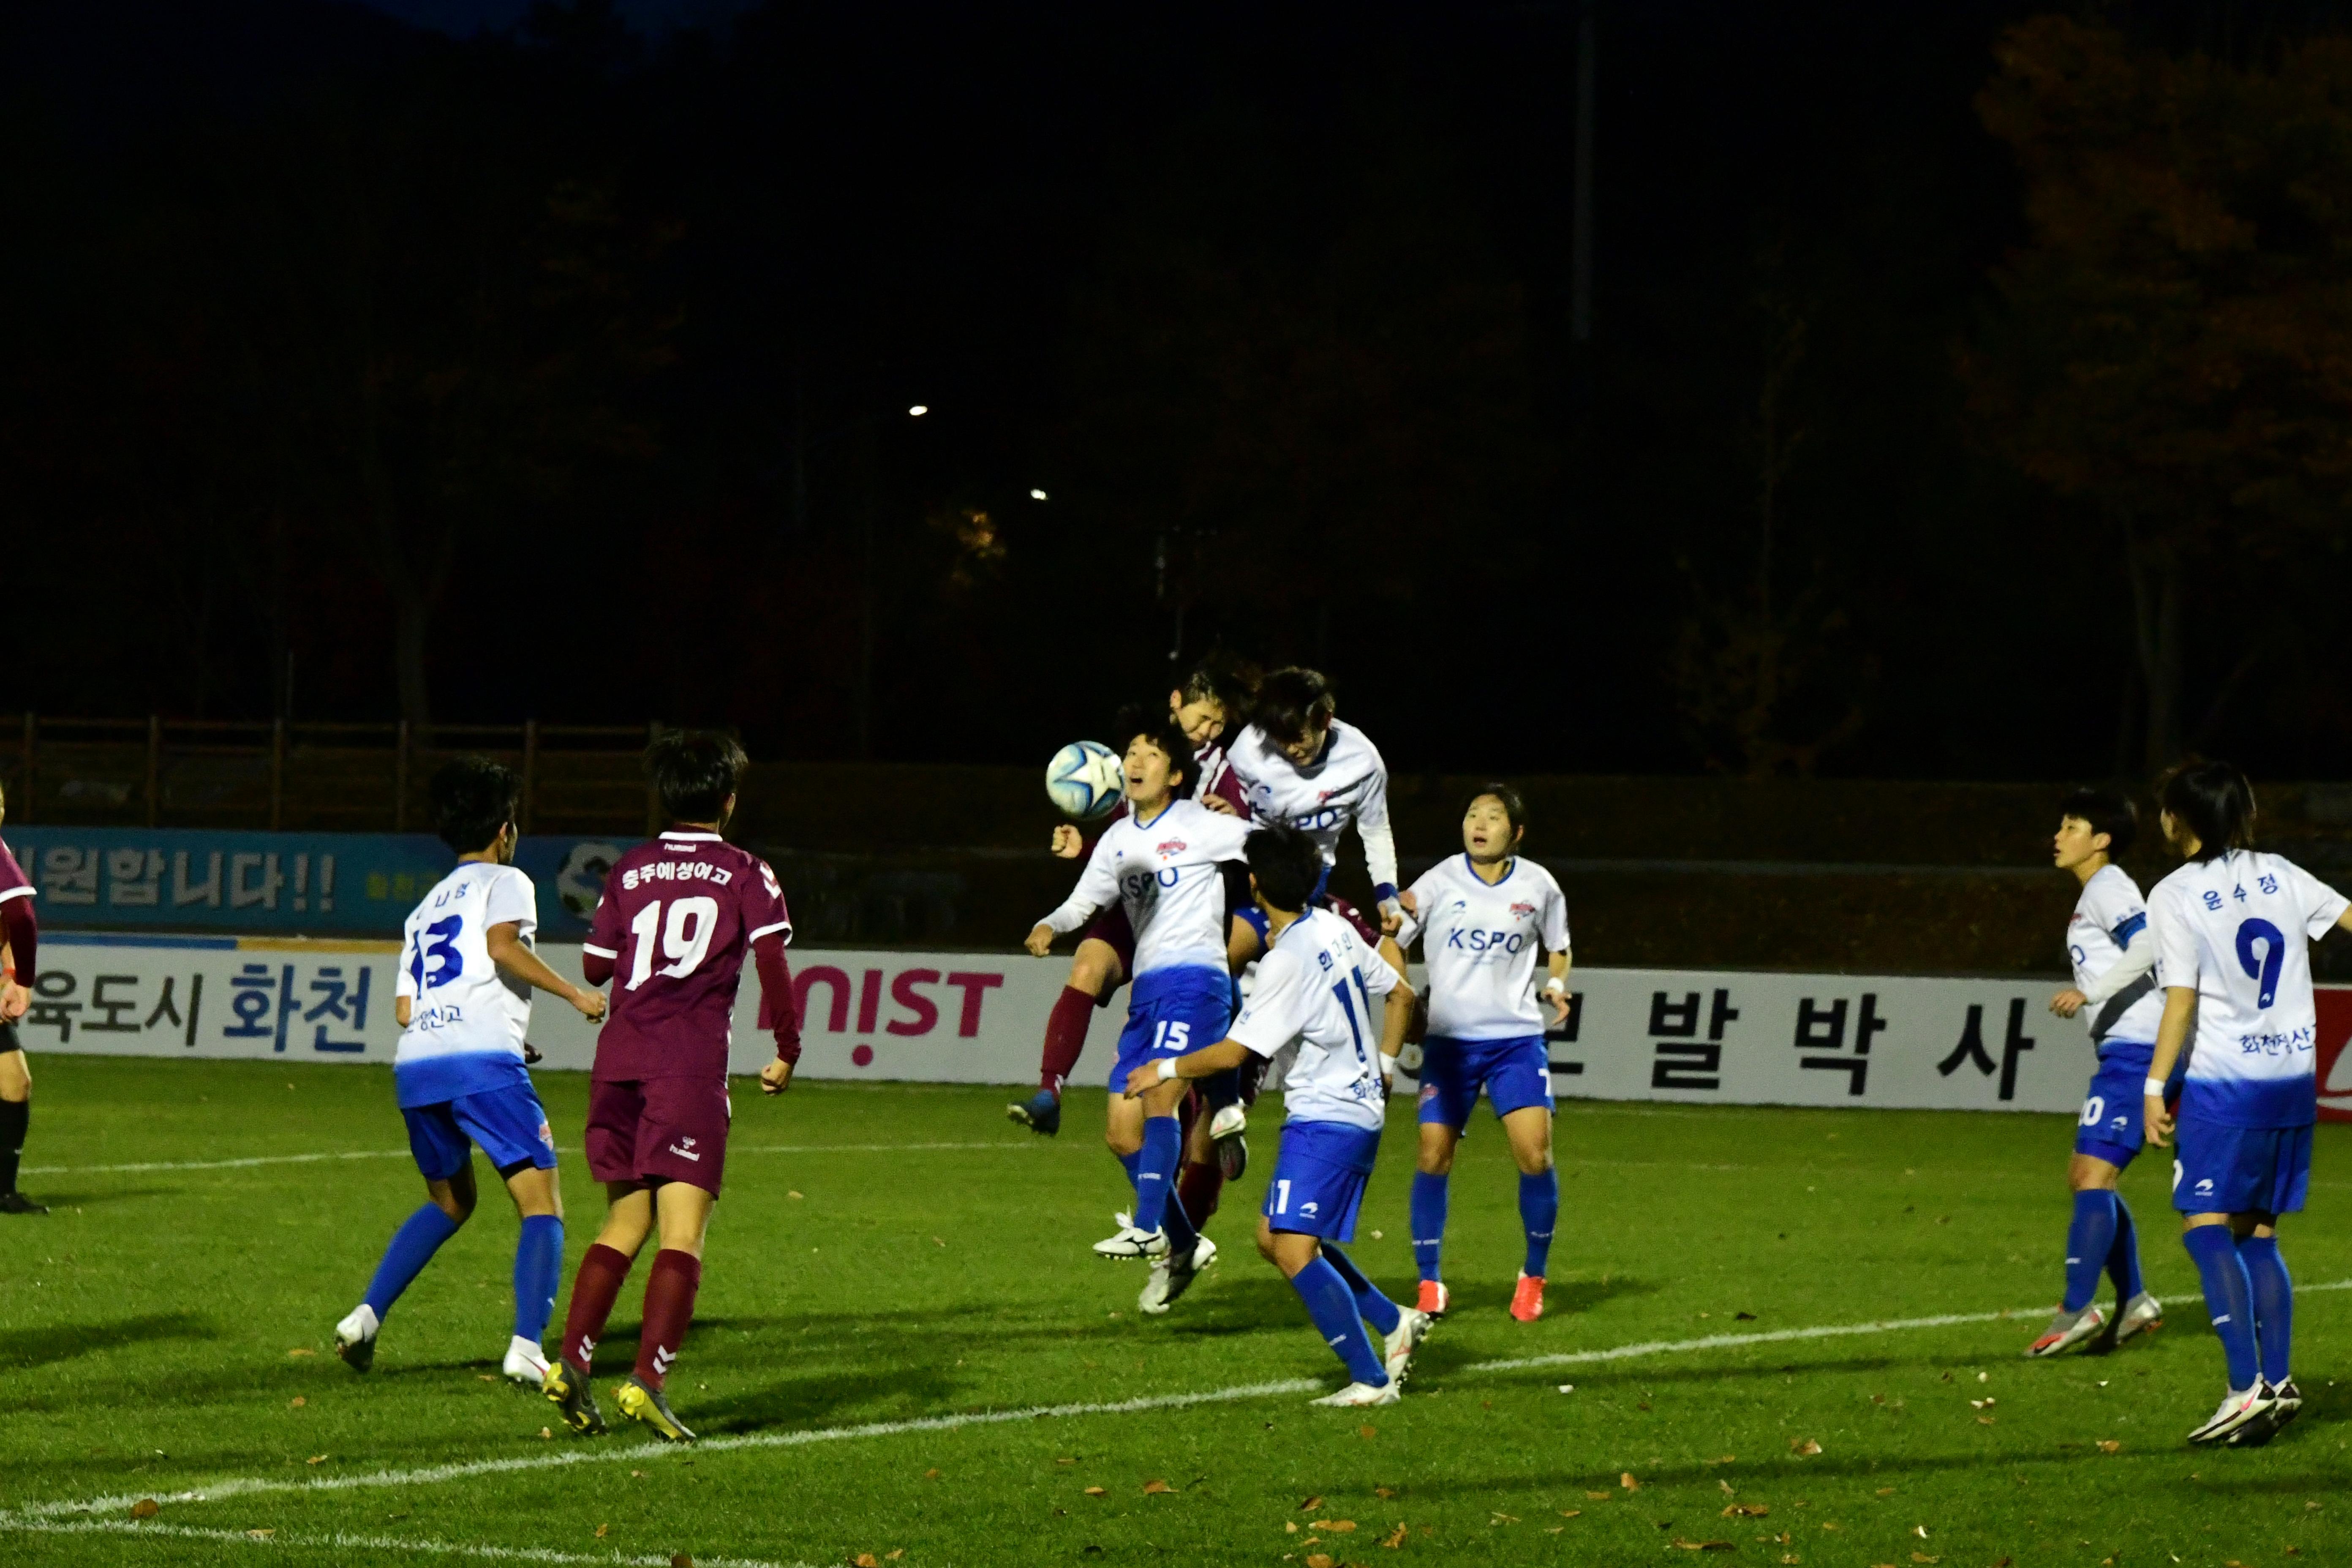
point(1096, 888)
point(1380, 844)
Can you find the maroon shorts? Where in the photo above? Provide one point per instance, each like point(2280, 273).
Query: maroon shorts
point(659, 1128)
point(1368, 930)
point(1111, 926)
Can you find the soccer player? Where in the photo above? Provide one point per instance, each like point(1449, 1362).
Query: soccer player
point(1316, 986)
point(2232, 931)
point(1212, 698)
point(463, 1001)
point(672, 928)
point(20, 932)
point(1482, 918)
point(2108, 942)
point(1160, 863)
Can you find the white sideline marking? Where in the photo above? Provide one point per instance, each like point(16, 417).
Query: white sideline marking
point(403, 1154)
point(1781, 1336)
point(342, 1542)
point(607, 1453)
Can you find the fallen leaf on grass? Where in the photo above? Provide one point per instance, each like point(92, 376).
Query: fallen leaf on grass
point(1095, 1491)
point(1920, 1531)
point(261, 1534)
point(866, 1560)
point(1746, 1510)
point(1790, 1557)
point(1981, 1403)
point(1628, 1482)
point(1502, 1518)
point(1384, 1492)
point(1368, 1433)
point(1574, 1512)
point(680, 1560)
point(2109, 1445)
point(1803, 1445)
point(1318, 1560)
point(893, 1554)
point(1886, 1491)
point(930, 1475)
point(1703, 1545)
point(1310, 1505)
point(1598, 1496)
point(316, 1459)
point(1727, 1487)
point(297, 1402)
point(145, 1508)
point(1337, 1526)
point(601, 1529)
point(1394, 1540)
point(545, 1433)
point(1984, 1420)
point(1151, 1489)
point(1923, 1557)
point(486, 1376)
point(301, 1351)
point(791, 1195)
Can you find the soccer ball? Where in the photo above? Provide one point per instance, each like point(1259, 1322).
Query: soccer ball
point(581, 880)
point(1083, 779)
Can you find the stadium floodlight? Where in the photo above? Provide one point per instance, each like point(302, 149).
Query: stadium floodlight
point(919, 410)
point(1037, 495)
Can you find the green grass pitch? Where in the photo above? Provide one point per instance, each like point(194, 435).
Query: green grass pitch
point(167, 1331)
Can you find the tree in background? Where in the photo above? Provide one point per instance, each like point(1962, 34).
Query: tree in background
point(2173, 351)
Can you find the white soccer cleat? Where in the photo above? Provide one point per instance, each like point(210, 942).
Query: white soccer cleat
point(525, 1362)
point(2240, 1409)
point(1128, 1242)
point(1173, 1276)
point(2142, 1314)
point(1362, 1394)
point(1412, 1326)
point(355, 1338)
point(2068, 1330)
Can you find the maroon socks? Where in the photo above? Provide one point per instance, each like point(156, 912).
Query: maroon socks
point(669, 1309)
point(593, 1290)
point(1066, 1039)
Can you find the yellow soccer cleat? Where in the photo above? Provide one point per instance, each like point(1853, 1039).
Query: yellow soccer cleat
point(640, 1403)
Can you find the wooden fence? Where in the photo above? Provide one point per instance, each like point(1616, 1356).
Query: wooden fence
point(349, 778)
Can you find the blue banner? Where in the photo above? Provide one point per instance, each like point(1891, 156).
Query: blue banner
point(279, 884)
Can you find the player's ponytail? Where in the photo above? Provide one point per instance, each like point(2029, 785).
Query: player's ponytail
point(2213, 801)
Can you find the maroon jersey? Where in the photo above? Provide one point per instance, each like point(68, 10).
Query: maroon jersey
point(677, 917)
point(17, 927)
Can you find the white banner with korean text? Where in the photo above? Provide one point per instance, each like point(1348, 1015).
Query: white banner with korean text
point(1663, 1035)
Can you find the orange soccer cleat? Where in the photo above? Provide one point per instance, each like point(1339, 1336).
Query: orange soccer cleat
point(1526, 1298)
point(1433, 1299)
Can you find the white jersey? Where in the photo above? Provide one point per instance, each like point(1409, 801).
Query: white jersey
point(1349, 782)
point(2107, 918)
point(1317, 987)
point(1165, 873)
point(2238, 927)
point(466, 1020)
point(1481, 941)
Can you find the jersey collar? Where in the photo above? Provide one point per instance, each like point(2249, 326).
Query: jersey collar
point(691, 838)
point(1472, 867)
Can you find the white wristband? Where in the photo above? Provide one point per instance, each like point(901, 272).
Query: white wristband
point(2155, 1089)
point(1556, 985)
point(1388, 1067)
point(1167, 1069)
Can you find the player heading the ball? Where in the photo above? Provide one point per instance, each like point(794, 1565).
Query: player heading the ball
point(677, 917)
point(1159, 864)
point(2108, 943)
point(463, 1001)
point(1315, 986)
point(2233, 929)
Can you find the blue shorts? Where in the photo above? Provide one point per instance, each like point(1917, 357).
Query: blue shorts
point(1516, 1074)
point(2240, 1170)
point(506, 1122)
point(1171, 1019)
point(2109, 1128)
point(1320, 1177)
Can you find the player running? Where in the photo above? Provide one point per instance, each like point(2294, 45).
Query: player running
point(20, 932)
point(2232, 931)
point(2108, 942)
point(1212, 698)
point(1160, 863)
point(1316, 986)
point(675, 920)
point(463, 1001)
point(1482, 918)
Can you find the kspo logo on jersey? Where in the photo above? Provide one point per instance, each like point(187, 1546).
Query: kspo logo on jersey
point(1487, 941)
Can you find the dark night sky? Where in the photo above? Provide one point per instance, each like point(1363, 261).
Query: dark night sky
point(1286, 287)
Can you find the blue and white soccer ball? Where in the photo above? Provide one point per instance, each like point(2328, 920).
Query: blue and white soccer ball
point(1085, 780)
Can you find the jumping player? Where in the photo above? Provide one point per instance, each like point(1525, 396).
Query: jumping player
point(20, 932)
point(463, 1000)
point(1160, 863)
point(2233, 929)
point(677, 919)
point(2108, 944)
point(1316, 986)
point(1482, 918)
point(1212, 698)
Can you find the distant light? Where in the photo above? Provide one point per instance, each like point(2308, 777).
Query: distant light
point(1037, 495)
point(919, 410)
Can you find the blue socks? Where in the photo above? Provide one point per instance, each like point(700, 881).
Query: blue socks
point(2274, 1299)
point(2229, 1297)
point(2123, 1258)
point(538, 1271)
point(1337, 1319)
point(1428, 1221)
point(2090, 1239)
point(1539, 1214)
point(1370, 1305)
point(1155, 1169)
point(419, 1237)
